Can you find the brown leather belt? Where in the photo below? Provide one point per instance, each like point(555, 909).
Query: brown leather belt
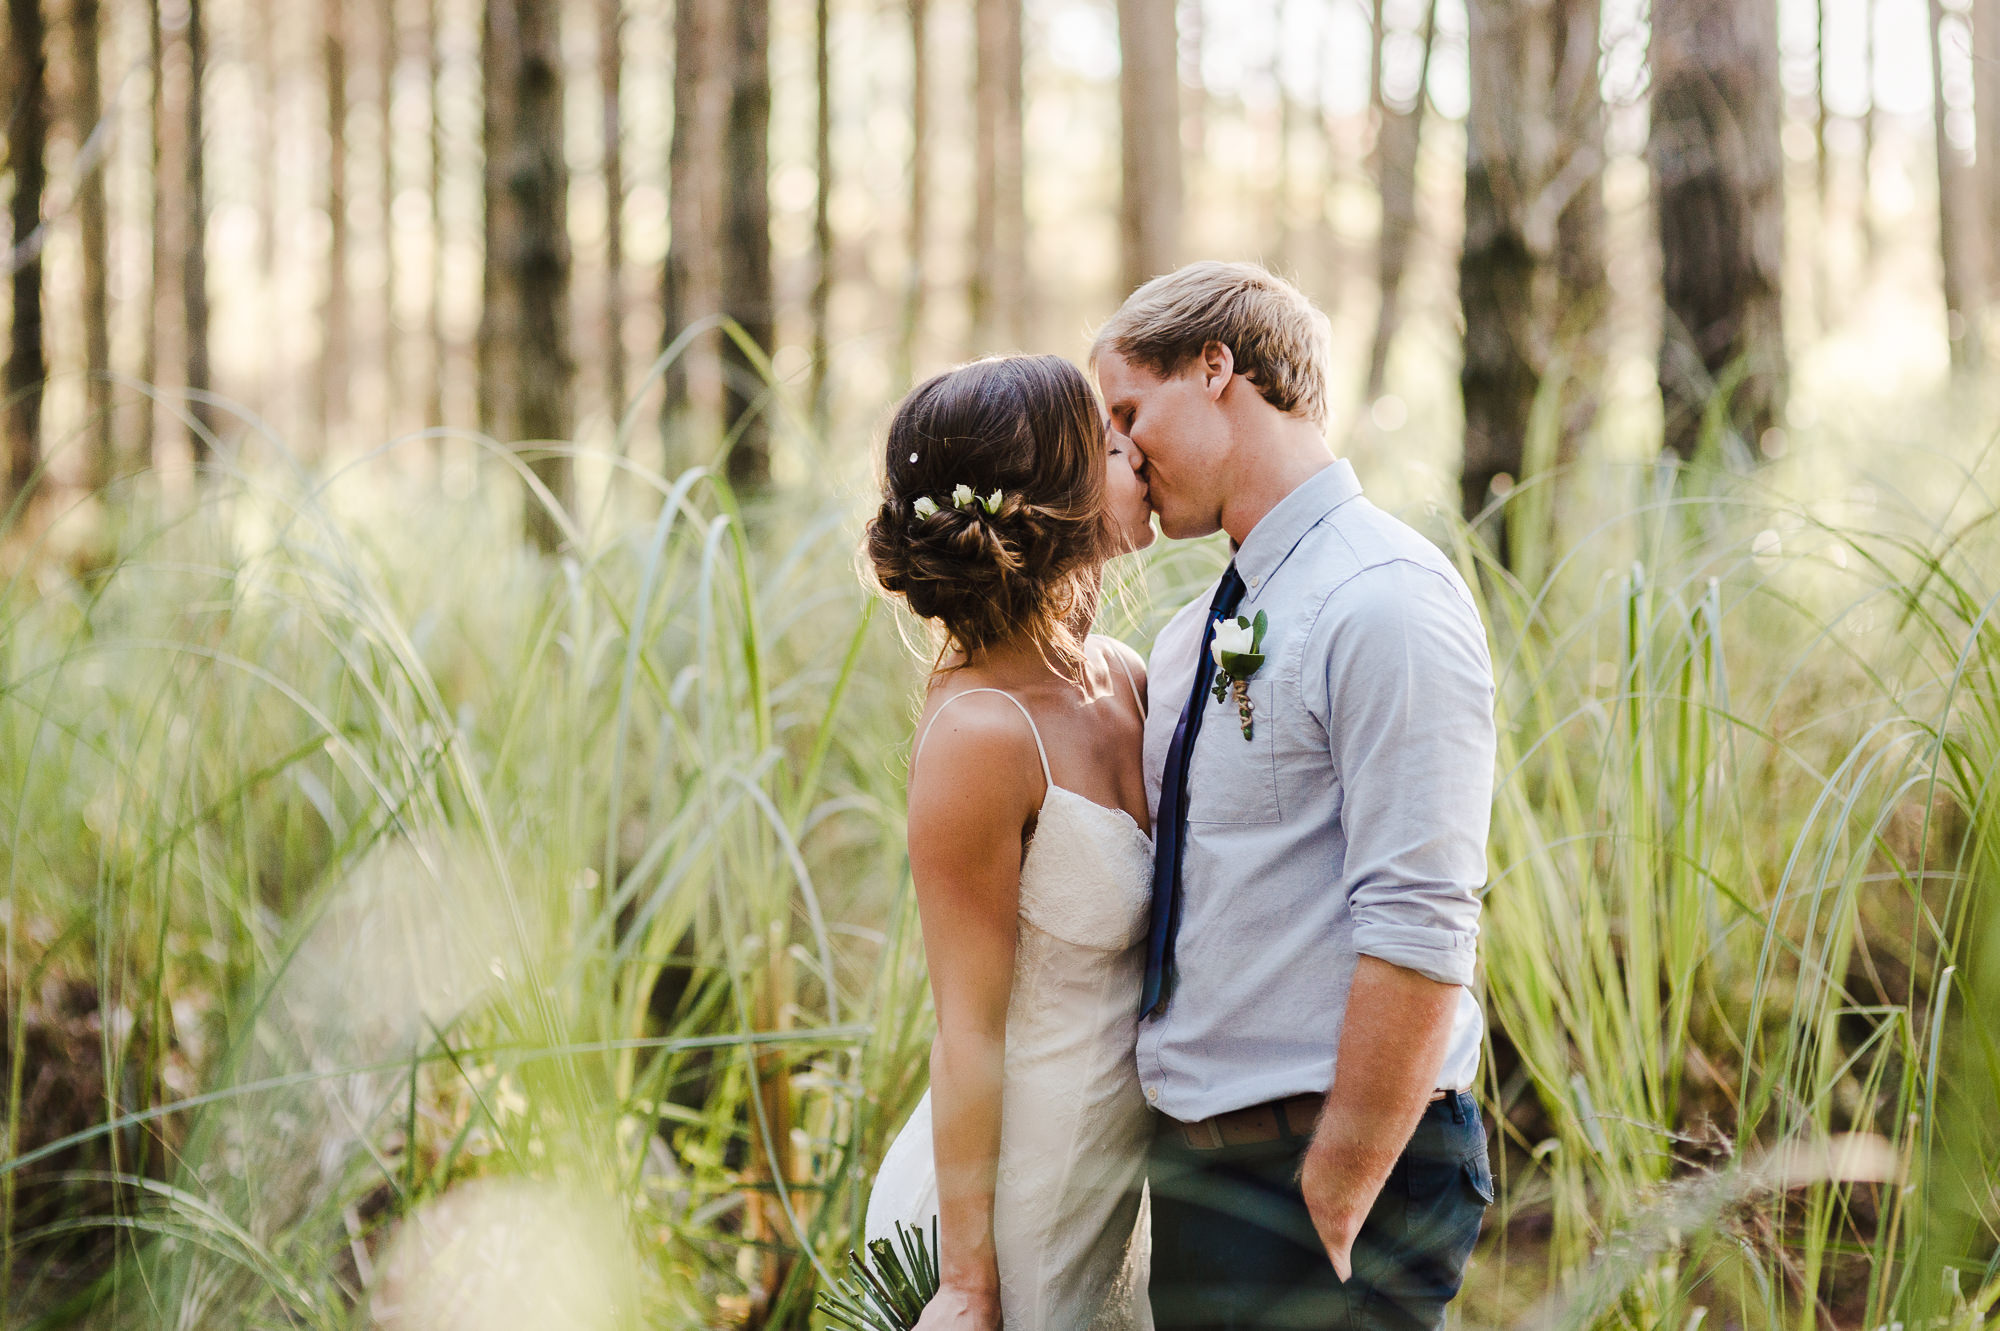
point(1295, 1116)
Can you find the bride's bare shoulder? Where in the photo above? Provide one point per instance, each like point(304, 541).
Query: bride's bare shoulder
point(968, 727)
point(1122, 660)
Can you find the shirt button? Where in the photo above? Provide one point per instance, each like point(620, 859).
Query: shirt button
point(1255, 581)
point(1153, 1094)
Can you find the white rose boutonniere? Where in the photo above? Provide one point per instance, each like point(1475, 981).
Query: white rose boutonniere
point(1238, 648)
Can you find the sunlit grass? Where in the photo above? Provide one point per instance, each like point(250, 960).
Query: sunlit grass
point(383, 884)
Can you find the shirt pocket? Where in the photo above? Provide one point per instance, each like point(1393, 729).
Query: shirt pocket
point(1232, 779)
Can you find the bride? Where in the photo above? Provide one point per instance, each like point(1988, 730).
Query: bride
point(1003, 497)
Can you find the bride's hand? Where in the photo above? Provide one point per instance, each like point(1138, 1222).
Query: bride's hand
point(955, 1309)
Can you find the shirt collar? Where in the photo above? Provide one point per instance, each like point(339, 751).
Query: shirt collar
point(1274, 538)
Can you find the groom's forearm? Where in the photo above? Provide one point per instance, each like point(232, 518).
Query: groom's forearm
point(1393, 1041)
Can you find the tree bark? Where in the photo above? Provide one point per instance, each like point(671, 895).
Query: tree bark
point(746, 242)
point(999, 253)
point(1986, 109)
point(1718, 189)
point(264, 59)
point(1870, 236)
point(387, 55)
point(1398, 137)
point(691, 280)
point(1823, 315)
point(1583, 292)
point(158, 275)
point(1284, 176)
point(499, 314)
point(434, 315)
point(822, 292)
point(99, 442)
point(920, 189)
point(1533, 179)
point(1956, 231)
point(194, 258)
point(330, 397)
point(1194, 104)
point(27, 148)
point(1149, 106)
point(538, 263)
point(610, 91)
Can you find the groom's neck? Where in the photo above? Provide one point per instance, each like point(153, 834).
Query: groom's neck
point(1274, 456)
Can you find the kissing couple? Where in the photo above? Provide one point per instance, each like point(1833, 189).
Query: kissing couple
point(1200, 928)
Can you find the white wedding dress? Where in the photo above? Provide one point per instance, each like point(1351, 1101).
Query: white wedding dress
point(1069, 1222)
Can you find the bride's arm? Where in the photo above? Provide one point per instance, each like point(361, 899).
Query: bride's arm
point(971, 796)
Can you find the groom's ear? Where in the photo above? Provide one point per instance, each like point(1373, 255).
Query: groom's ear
point(1218, 366)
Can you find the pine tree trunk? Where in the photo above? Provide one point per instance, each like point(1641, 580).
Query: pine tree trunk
point(27, 148)
point(920, 188)
point(1194, 102)
point(746, 241)
point(499, 314)
point(1398, 137)
point(1533, 181)
point(434, 315)
point(264, 59)
point(1583, 292)
point(538, 264)
point(386, 55)
point(1278, 221)
point(1149, 104)
point(1504, 347)
point(998, 245)
point(691, 281)
point(194, 258)
point(158, 274)
point(822, 292)
point(99, 443)
point(1718, 188)
point(1986, 108)
point(610, 91)
point(331, 398)
point(1956, 231)
point(1870, 236)
point(1334, 172)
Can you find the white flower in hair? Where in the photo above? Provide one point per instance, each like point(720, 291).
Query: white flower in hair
point(925, 507)
point(961, 496)
point(992, 502)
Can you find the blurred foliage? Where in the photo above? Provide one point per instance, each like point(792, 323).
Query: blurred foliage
point(402, 928)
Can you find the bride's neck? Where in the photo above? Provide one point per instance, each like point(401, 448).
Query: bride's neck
point(1022, 660)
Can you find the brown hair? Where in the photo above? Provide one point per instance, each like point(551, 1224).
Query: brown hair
point(1028, 427)
point(1279, 340)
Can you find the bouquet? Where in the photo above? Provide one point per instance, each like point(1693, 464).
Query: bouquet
point(891, 1297)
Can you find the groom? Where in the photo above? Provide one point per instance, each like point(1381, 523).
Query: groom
point(1308, 1039)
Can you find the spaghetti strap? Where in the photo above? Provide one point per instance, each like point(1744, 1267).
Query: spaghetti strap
point(1137, 700)
point(1033, 729)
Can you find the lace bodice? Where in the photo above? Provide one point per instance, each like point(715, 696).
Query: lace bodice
point(1069, 1226)
point(1087, 874)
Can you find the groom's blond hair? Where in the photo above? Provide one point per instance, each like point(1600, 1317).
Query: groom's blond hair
point(1279, 340)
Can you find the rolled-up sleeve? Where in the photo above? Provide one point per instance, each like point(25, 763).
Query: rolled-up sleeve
point(1409, 719)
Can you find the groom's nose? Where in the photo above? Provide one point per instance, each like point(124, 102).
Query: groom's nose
point(1137, 454)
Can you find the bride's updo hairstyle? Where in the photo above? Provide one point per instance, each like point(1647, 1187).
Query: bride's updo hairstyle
point(1026, 428)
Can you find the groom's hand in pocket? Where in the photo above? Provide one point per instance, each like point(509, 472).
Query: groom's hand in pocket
point(1334, 1214)
point(1392, 1047)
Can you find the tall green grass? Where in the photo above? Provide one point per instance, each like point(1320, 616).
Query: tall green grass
point(446, 936)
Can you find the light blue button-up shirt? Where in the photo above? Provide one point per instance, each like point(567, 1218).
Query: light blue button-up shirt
point(1353, 822)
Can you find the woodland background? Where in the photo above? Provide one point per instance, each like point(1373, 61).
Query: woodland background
point(451, 773)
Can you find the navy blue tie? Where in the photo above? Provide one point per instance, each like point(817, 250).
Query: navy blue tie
point(1170, 822)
